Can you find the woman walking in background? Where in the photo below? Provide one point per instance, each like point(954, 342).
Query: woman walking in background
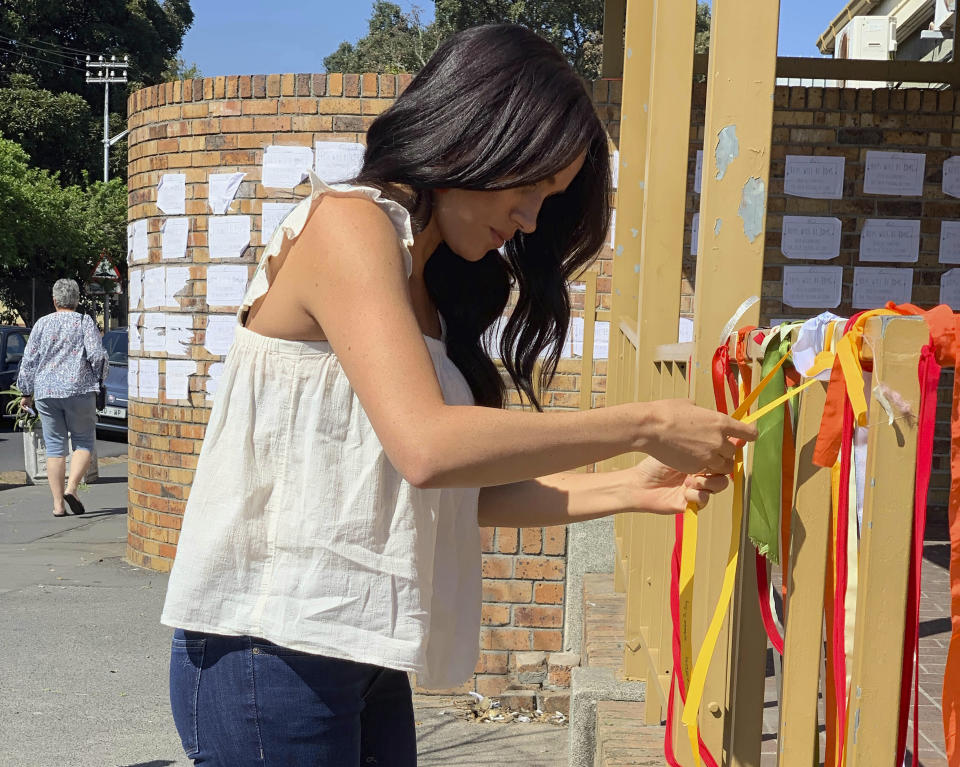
point(60, 373)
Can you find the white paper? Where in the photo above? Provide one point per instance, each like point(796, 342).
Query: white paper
point(141, 242)
point(698, 173)
point(222, 189)
point(154, 332)
point(574, 339)
point(228, 236)
point(285, 166)
point(812, 287)
point(171, 193)
point(135, 292)
point(601, 340)
point(819, 177)
point(133, 332)
point(695, 234)
point(174, 237)
point(154, 284)
point(898, 173)
point(951, 176)
point(129, 242)
point(950, 242)
point(813, 237)
point(226, 285)
point(613, 227)
point(177, 379)
point(213, 379)
point(338, 161)
point(133, 378)
point(615, 168)
point(149, 379)
point(219, 333)
point(873, 286)
point(684, 330)
point(177, 277)
point(950, 288)
point(272, 216)
point(890, 239)
point(178, 334)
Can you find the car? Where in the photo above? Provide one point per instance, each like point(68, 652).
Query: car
point(113, 417)
point(13, 342)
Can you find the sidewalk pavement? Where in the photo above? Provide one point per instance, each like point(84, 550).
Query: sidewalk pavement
point(83, 681)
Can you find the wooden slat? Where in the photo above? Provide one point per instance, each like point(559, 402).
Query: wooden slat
point(740, 86)
point(809, 532)
point(614, 17)
point(589, 328)
point(884, 553)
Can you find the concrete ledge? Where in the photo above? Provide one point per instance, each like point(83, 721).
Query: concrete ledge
point(589, 685)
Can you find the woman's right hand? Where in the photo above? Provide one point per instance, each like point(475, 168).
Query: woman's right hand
point(693, 439)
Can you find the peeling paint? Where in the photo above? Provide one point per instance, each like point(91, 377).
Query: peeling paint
point(716, 227)
point(752, 207)
point(634, 232)
point(617, 291)
point(636, 268)
point(629, 53)
point(728, 149)
point(641, 185)
point(619, 250)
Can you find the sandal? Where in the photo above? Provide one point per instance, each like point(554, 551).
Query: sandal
point(59, 515)
point(74, 503)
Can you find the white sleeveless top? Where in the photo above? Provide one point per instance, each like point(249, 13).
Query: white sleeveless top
point(298, 528)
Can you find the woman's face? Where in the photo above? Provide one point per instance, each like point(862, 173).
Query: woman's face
point(472, 223)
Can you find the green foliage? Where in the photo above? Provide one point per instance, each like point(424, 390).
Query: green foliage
point(178, 69)
point(22, 419)
point(701, 40)
point(48, 230)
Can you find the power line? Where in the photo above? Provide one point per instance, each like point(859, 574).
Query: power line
point(42, 61)
point(32, 40)
point(18, 44)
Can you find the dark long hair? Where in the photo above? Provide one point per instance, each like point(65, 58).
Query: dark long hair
point(498, 107)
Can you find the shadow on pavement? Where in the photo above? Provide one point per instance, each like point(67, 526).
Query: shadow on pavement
point(154, 763)
point(94, 513)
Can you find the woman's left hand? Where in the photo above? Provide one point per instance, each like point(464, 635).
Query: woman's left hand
point(658, 489)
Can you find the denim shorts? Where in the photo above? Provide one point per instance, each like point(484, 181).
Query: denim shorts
point(74, 416)
point(241, 701)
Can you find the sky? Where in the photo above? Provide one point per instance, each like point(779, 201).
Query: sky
point(260, 37)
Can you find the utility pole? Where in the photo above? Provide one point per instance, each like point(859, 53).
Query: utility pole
point(106, 72)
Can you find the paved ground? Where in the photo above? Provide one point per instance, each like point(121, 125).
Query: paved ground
point(83, 675)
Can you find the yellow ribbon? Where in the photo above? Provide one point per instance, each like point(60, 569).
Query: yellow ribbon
point(697, 679)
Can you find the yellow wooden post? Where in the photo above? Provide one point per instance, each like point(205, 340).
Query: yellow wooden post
point(739, 112)
point(657, 226)
point(589, 277)
point(884, 550)
point(633, 150)
point(803, 646)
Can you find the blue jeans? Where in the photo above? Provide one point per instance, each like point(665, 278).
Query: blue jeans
point(240, 701)
point(75, 416)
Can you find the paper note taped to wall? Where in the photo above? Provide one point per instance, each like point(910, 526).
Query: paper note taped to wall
point(812, 237)
point(897, 173)
point(135, 291)
point(890, 239)
point(149, 383)
point(873, 286)
point(222, 189)
point(133, 378)
point(286, 166)
point(272, 216)
point(213, 379)
point(178, 334)
point(951, 176)
point(950, 242)
point(173, 238)
point(219, 334)
point(171, 193)
point(950, 288)
point(176, 283)
point(226, 285)
point(154, 283)
point(177, 379)
point(141, 242)
point(819, 177)
point(133, 332)
point(695, 234)
point(228, 236)
point(613, 228)
point(338, 161)
point(812, 287)
point(615, 168)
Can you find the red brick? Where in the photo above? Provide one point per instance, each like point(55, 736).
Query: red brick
point(497, 567)
point(507, 591)
point(555, 539)
point(538, 617)
point(494, 615)
point(507, 540)
point(548, 640)
point(548, 593)
point(539, 568)
point(531, 538)
point(505, 639)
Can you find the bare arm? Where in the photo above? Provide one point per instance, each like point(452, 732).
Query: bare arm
point(348, 275)
point(567, 497)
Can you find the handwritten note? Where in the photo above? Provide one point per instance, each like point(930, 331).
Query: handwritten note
point(272, 216)
point(219, 334)
point(177, 379)
point(171, 193)
point(950, 242)
point(176, 283)
point(222, 189)
point(154, 332)
point(950, 288)
point(178, 334)
point(226, 285)
point(135, 291)
point(213, 379)
point(812, 237)
point(684, 330)
point(228, 236)
point(890, 239)
point(133, 332)
point(873, 286)
point(338, 161)
point(149, 379)
point(812, 287)
point(141, 242)
point(951, 176)
point(898, 173)
point(819, 177)
point(133, 378)
point(174, 238)
point(154, 283)
point(286, 166)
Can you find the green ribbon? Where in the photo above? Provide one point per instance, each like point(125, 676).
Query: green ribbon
point(765, 478)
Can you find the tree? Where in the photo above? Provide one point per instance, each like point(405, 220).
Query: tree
point(701, 40)
point(178, 69)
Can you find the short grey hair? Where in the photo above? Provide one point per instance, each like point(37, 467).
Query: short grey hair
point(66, 294)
